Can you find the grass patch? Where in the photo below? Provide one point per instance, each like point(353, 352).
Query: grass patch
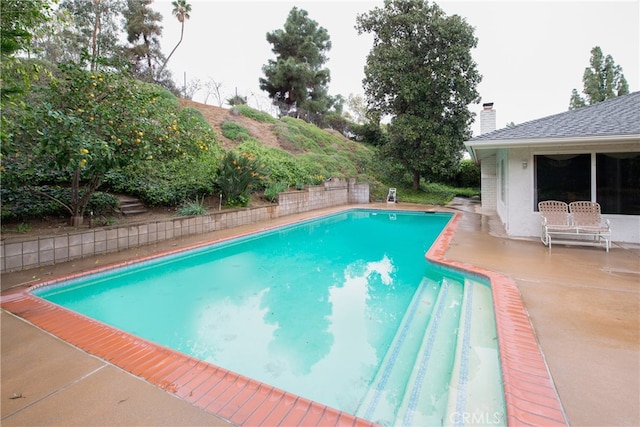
point(271, 192)
point(234, 131)
point(256, 115)
point(428, 194)
point(192, 208)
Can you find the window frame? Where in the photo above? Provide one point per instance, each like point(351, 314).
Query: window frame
point(593, 171)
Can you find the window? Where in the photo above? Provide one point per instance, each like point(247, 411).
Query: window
point(618, 182)
point(568, 177)
point(565, 177)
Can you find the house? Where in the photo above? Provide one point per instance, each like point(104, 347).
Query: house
point(592, 153)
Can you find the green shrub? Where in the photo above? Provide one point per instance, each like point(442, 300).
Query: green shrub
point(234, 131)
point(256, 115)
point(238, 175)
point(369, 133)
point(161, 92)
point(166, 183)
point(102, 203)
point(272, 190)
point(468, 175)
point(32, 202)
point(103, 221)
point(23, 228)
point(195, 207)
point(283, 166)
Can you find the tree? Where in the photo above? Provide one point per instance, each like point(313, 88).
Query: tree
point(87, 124)
point(143, 32)
point(83, 32)
point(18, 19)
point(603, 79)
point(181, 10)
point(421, 73)
point(56, 41)
point(295, 80)
point(357, 108)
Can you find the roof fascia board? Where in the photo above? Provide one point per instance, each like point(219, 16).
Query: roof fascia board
point(537, 142)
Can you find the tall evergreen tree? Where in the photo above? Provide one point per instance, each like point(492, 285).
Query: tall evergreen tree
point(143, 32)
point(296, 80)
point(603, 79)
point(421, 73)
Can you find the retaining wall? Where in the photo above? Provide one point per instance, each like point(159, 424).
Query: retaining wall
point(17, 254)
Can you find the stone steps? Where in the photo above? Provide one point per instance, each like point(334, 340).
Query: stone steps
point(131, 205)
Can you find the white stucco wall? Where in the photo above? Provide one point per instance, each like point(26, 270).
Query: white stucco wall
point(520, 190)
point(488, 183)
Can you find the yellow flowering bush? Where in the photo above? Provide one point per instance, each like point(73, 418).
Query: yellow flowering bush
point(239, 174)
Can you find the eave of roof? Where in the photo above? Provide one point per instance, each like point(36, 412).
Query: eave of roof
point(564, 143)
point(610, 121)
point(541, 142)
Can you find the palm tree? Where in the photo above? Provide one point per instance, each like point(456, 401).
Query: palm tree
point(181, 11)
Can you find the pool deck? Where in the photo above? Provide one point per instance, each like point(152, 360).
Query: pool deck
point(583, 304)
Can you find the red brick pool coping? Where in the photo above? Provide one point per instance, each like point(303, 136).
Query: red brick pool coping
point(530, 395)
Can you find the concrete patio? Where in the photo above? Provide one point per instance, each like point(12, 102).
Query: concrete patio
point(584, 305)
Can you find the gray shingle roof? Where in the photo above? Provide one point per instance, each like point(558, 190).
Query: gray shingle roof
point(616, 116)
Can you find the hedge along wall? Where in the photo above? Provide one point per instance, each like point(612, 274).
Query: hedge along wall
point(46, 250)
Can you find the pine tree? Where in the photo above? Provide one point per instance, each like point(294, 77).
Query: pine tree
point(296, 80)
point(603, 79)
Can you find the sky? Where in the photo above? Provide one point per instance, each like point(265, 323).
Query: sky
point(531, 54)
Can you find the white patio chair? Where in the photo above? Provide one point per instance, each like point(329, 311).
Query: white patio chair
point(587, 220)
point(555, 219)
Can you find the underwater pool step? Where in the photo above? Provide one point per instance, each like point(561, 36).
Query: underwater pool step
point(476, 396)
point(384, 395)
point(425, 398)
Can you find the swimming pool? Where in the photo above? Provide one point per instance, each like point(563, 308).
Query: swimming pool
point(359, 295)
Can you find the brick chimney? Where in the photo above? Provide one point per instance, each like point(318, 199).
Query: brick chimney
point(487, 118)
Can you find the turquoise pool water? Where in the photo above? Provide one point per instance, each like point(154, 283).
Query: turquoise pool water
point(343, 310)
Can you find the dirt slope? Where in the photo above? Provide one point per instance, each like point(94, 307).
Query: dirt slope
point(264, 132)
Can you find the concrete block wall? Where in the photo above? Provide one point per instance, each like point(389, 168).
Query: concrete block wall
point(358, 193)
point(16, 254)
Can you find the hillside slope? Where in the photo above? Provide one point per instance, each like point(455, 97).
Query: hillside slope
point(295, 150)
point(264, 132)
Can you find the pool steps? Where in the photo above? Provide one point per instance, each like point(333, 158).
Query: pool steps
point(425, 396)
point(383, 397)
point(475, 397)
point(444, 385)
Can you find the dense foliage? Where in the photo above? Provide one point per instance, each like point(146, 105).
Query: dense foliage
point(420, 72)
point(18, 20)
point(87, 121)
point(239, 174)
point(84, 125)
point(296, 80)
point(40, 201)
